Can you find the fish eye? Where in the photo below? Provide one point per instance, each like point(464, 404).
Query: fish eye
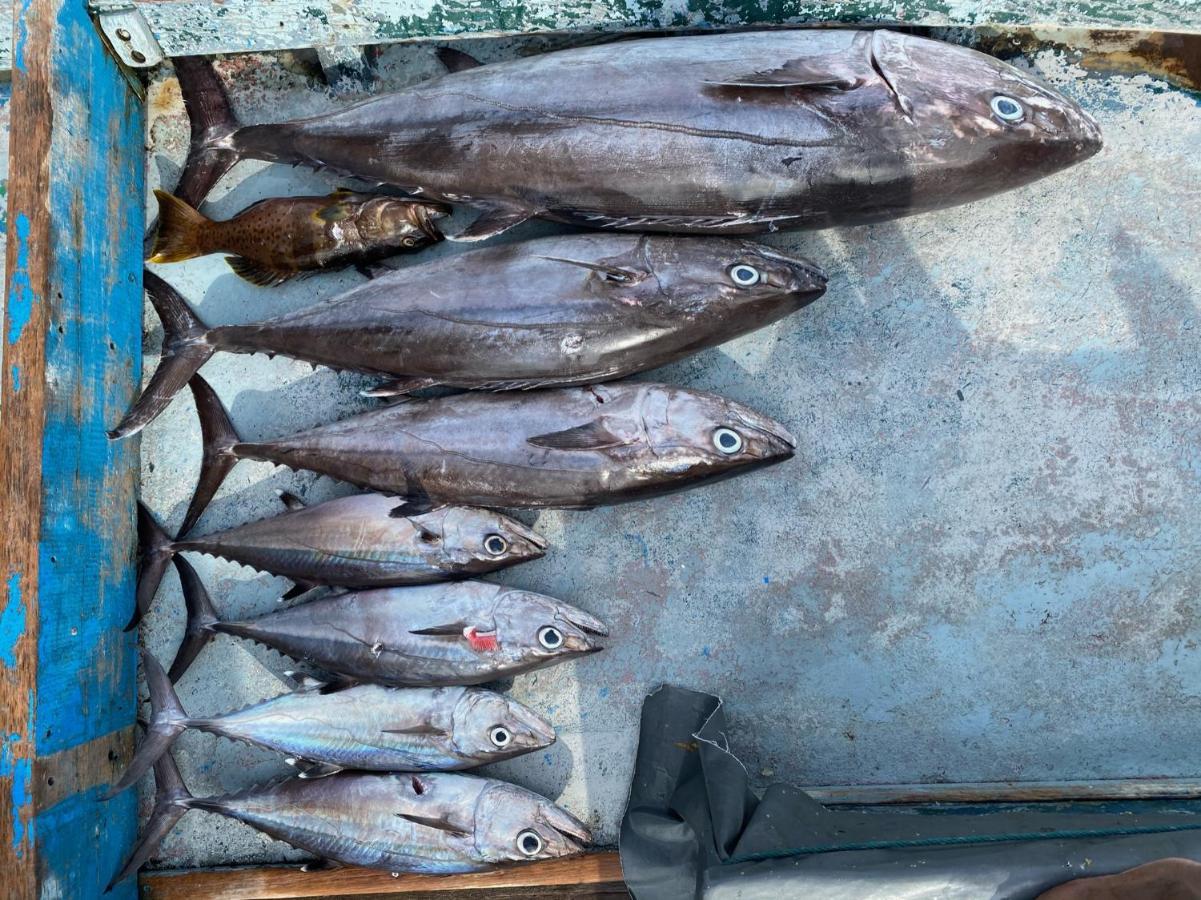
point(550, 637)
point(500, 736)
point(744, 275)
point(1007, 109)
point(529, 843)
point(495, 544)
point(727, 441)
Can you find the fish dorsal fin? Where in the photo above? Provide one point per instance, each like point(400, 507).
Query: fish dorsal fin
point(618, 274)
point(424, 728)
point(291, 501)
point(493, 221)
point(258, 273)
point(824, 72)
point(441, 823)
point(594, 435)
point(456, 60)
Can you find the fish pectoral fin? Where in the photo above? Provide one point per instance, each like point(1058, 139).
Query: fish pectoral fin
point(310, 770)
point(258, 273)
point(451, 629)
point(825, 72)
point(417, 506)
point(427, 535)
point(493, 221)
point(456, 60)
point(305, 683)
point(297, 589)
point(291, 501)
point(619, 274)
point(594, 435)
point(442, 823)
point(424, 728)
point(398, 387)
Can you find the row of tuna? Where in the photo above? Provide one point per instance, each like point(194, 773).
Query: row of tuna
point(693, 140)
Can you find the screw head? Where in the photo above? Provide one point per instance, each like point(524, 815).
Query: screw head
point(138, 56)
point(123, 34)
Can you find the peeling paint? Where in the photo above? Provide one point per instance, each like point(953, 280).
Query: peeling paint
point(21, 296)
point(12, 622)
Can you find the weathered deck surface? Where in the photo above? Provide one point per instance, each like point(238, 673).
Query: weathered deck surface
point(983, 563)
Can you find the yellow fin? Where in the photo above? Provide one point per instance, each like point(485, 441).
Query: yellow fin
point(258, 273)
point(179, 230)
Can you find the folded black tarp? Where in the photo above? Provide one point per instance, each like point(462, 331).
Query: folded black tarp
point(693, 829)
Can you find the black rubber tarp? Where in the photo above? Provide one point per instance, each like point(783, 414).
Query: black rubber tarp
point(694, 829)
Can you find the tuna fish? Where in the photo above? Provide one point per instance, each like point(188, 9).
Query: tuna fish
point(326, 729)
point(348, 542)
point(577, 309)
point(435, 824)
point(465, 632)
point(721, 133)
point(276, 239)
point(569, 448)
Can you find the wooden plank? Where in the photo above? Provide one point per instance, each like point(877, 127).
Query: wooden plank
point(71, 353)
point(277, 882)
point(1009, 791)
point(185, 27)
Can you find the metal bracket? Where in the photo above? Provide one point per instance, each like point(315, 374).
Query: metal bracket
point(127, 32)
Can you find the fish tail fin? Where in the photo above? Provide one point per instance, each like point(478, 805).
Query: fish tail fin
point(213, 150)
point(217, 460)
point(171, 801)
point(168, 721)
point(185, 350)
point(157, 548)
point(180, 230)
point(202, 619)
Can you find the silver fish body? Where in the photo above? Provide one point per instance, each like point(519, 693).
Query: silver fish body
point(560, 448)
point(729, 133)
point(462, 633)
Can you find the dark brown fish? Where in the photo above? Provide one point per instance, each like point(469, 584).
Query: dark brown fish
point(724, 133)
point(433, 823)
point(276, 239)
point(561, 448)
point(348, 542)
point(575, 309)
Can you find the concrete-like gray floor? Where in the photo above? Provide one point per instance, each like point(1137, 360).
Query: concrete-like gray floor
point(983, 563)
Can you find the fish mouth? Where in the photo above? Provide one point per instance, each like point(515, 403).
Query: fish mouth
point(584, 622)
point(423, 214)
point(575, 833)
point(527, 534)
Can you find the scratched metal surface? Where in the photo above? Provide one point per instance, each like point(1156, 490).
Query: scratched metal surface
point(982, 564)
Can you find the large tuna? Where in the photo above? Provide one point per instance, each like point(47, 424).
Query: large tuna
point(726, 133)
point(325, 728)
point(435, 824)
point(465, 632)
point(571, 448)
point(575, 309)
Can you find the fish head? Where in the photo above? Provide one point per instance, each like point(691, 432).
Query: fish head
point(973, 112)
point(401, 221)
point(516, 825)
point(692, 434)
point(736, 277)
point(487, 538)
point(540, 628)
point(490, 726)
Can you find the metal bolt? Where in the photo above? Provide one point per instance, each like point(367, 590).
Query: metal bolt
point(123, 34)
point(138, 56)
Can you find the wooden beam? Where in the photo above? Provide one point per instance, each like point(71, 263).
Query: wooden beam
point(594, 870)
point(71, 347)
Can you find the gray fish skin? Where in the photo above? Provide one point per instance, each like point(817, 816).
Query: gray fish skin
point(369, 635)
point(534, 315)
point(574, 309)
point(731, 133)
point(379, 821)
point(564, 448)
point(355, 542)
point(388, 729)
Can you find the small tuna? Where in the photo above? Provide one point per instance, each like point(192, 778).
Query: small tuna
point(434, 824)
point(465, 632)
point(363, 726)
point(573, 309)
point(276, 239)
point(353, 542)
point(567, 448)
